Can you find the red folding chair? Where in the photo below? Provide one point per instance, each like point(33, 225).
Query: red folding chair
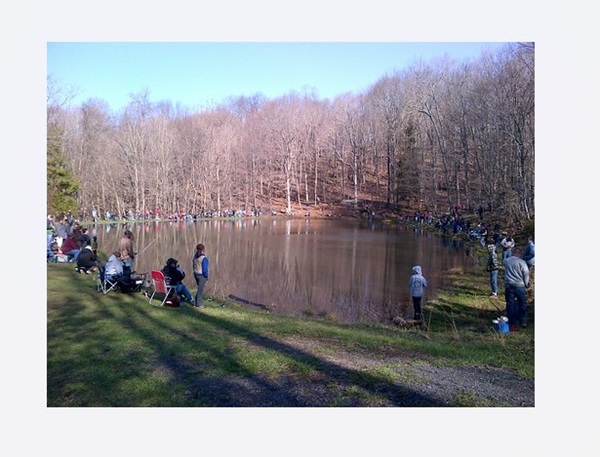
point(160, 286)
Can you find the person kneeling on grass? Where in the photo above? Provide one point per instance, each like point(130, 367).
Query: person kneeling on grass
point(174, 275)
point(87, 260)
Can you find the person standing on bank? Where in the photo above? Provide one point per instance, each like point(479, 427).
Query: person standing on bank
point(417, 283)
point(200, 267)
point(529, 258)
point(516, 281)
point(492, 268)
point(529, 252)
point(507, 244)
point(127, 252)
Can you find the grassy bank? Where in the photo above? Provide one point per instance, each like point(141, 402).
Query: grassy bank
point(119, 350)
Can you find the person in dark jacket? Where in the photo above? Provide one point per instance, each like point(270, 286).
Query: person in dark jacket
point(174, 275)
point(87, 260)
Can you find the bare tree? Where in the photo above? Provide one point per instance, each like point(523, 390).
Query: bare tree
point(435, 134)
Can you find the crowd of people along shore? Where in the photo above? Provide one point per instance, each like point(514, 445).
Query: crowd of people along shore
point(70, 241)
point(503, 254)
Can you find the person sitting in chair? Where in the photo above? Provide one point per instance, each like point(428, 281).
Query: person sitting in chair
point(174, 276)
point(114, 267)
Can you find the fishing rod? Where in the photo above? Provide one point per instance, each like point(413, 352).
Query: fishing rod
point(147, 246)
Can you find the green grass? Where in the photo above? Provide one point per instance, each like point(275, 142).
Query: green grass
point(119, 350)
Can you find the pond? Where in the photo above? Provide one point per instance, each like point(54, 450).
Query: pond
point(345, 270)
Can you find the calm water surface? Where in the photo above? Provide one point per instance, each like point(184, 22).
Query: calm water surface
point(350, 271)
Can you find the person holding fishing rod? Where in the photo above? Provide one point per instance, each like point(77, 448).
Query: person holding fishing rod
point(127, 252)
point(200, 267)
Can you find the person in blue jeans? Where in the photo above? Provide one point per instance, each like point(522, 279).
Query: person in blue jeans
point(529, 252)
point(175, 276)
point(200, 265)
point(516, 281)
point(492, 267)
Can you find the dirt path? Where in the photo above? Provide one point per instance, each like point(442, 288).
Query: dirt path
point(350, 379)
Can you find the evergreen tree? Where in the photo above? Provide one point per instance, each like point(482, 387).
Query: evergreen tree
point(62, 186)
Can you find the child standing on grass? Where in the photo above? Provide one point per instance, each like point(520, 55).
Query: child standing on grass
point(417, 283)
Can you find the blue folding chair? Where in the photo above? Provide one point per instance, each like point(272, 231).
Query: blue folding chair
point(105, 284)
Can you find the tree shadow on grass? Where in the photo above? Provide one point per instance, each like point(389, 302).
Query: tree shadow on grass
point(173, 366)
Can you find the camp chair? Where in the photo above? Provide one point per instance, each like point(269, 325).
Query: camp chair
point(160, 286)
point(133, 283)
point(105, 285)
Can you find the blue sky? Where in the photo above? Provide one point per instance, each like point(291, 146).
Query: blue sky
point(199, 74)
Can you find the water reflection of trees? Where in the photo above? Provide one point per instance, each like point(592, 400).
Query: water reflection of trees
point(342, 270)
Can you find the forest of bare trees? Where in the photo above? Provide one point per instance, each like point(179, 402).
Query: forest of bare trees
point(433, 135)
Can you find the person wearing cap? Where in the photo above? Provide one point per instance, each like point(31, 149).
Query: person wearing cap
point(507, 244)
point(174, 275)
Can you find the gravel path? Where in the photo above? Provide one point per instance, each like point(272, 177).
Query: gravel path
point(481, 386)
point(347, 379)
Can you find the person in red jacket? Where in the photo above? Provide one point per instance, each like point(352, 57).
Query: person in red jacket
point(70, 248)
